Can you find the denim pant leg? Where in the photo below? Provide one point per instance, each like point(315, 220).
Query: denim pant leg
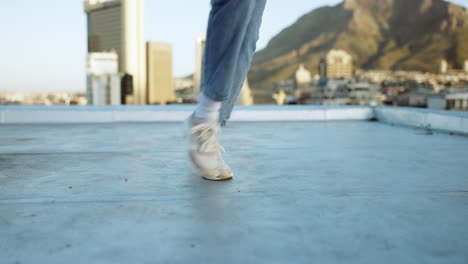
point(245, 60)
point(233, 31)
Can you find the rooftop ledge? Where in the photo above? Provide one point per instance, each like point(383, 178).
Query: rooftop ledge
point(439, 120)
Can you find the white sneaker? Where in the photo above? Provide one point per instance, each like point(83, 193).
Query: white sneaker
point(205, 149)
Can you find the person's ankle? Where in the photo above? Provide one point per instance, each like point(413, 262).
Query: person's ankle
point(207, 109)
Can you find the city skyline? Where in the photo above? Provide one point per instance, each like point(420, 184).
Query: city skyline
point(45, 50)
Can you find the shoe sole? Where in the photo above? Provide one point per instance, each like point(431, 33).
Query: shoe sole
point(199, 172)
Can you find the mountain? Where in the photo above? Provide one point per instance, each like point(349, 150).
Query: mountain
point(379, 34)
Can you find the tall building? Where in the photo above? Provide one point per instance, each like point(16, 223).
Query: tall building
point(323, 68)
point(303, 77)
point(160, 77)
point(339, 64)
point(465, 66)
point(443, 67)
point(245, 96)
point(117, 25)
point(103, 80)
point(199, 55)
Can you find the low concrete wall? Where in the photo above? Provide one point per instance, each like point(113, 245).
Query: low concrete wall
point(447, 121)
point(112, 114)
point(440, 120)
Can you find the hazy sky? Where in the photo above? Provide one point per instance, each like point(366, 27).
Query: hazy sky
point(43, 43)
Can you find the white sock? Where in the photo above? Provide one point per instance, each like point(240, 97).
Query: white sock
point(207, 109)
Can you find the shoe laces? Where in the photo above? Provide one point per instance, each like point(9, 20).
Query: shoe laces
point(207, 136)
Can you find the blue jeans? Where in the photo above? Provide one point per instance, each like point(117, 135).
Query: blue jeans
point(233, 31)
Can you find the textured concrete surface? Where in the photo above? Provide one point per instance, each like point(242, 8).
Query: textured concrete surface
point(304, 192)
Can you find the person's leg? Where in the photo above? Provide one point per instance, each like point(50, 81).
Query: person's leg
point(227, 26)
point(230, 44)
point(249, 46)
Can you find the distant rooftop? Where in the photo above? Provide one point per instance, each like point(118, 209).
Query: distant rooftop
point(338, 189)
point(91, 5)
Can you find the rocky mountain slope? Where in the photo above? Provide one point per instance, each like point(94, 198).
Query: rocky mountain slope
point(382, 34)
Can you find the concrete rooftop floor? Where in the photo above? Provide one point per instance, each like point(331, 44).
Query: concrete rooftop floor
point(304, 192)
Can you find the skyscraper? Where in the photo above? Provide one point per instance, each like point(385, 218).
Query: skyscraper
point(103, 80)
point(245, 96)
point(339, 64)
point(117, 25)
point(199, 54)
point(160, 77)
point(443, 67)
point(323, 68)
point(303, 77)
